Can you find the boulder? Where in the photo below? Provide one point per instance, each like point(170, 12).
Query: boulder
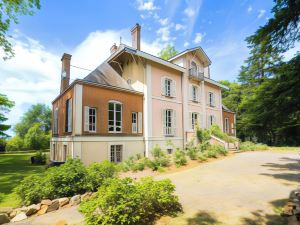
point(19, 217)
point(75, 200)
point(54, 206)
point(13, 214)
point(287, 211)
point(32, 209)
point(86, 196)
point(4, 218)
point(43, 210)
point(63, 201)
point(6, 210)
point(46, 202)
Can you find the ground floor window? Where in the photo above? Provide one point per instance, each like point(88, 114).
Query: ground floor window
point(116, 153)
point(226, 125)
point(54, 151)
point(64, 156)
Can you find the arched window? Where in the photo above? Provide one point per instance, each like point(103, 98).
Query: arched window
point(114, 117)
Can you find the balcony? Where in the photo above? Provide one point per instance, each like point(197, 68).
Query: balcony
point(194, 74)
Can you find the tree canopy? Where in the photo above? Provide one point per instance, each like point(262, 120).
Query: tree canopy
point(167, 52)
point(5, 106)
point(9, 12)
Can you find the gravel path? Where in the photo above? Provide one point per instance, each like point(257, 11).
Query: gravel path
point(241, 189)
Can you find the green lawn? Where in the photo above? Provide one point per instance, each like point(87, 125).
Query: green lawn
point(13, 168)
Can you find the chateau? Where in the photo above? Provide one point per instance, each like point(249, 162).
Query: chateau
point(133, 101)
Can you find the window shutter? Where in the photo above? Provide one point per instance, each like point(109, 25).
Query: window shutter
point(214, 119)
point(86, 118)
point(140, 122)
point(173, 88)
point(174, 122)
point(213, 99)
point(198, 119)
point(70, 115)
point(55, 124)
point(163, 120)
point(202, 122)
point(199, 94)
point(163, 86)
point(190, 120)
point(95, 119)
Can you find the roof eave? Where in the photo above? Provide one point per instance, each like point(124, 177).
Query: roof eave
point(215, 83)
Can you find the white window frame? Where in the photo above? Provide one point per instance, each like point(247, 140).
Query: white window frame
point(211, 120)
point(114, 126)
point(168, 87)
point(55, 121)
point(68, 116)
point(227, 130)
point(211, 99)
point(115, 153)
point(169, 122)
point(195, 119)
point(134, 122)
point(92, 125)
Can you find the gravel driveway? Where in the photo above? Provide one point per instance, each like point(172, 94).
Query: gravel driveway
point(241, 189)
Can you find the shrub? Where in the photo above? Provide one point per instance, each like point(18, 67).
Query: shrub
point(250, 146)
point(179, 158)
point(219, 149)
point(202, 157)
point(66, 180)
point(14, 144)
point(203, 135)
point(97, 173)
point(216, 131)
point(124, 201)
point(192, 151)
point(39, 158)
point(160, 158)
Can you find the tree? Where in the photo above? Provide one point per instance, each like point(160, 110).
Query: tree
point(36, 138)
point(283, 30)
point(39, 113)
point(5, 106)
point(9, 11)
point(167, 52)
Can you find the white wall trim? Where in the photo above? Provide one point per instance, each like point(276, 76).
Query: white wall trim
point(166, 100)
point(97, 138)
point(147, 106)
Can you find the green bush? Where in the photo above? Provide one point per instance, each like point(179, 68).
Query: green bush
point(14, 144)
point(40, 158)
point(179, 158)
point(66, 180)
point(213, 151)
point(160, 158)
point(203, 135)
point(36, 138)
point(137, 163)
point(2, 145)
point(250, 146)
point(97, 173)
point(202, 157)
point(192, 151)
point(216, 131)
point(124, 201)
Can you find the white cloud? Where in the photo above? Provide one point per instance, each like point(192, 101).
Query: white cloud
point(261, 13)
point(189, 12)
point(163, 22)
point(146, 5)
point(164, 33)
point(179, 26)
point(186, 44)
point(33, 75)
point(250, 8)
point(198, 38)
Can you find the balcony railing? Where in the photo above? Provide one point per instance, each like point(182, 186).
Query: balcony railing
point(195, 74)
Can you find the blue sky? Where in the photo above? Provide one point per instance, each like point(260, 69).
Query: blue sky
point(87, 29)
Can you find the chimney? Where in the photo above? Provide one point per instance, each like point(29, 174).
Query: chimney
point(136, 36)
point(65, 71)
point(113, 49)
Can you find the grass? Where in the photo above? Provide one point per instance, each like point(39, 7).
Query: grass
point(13, 168)
point(284, 148)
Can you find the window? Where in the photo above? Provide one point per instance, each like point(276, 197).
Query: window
point(168, 87)
point(114, 117)
point(134, 122)
point(65, 153)
point(170, 151)
point(116, 153)
point(55, 121)
point(168, 84)
point(53, 152)
point(211, 99)
point(194, 119)
point(169, 118)
point(211, 120)
point(68, 121)
point(226, 125)
point(90, 119)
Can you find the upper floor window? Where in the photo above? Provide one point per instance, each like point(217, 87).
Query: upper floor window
point(134, 116)
point(169, 122)
point(68, 119)
point(90, 119)
point(211, 99)
point(194, 93)
point(168, 87)
point(114, 117)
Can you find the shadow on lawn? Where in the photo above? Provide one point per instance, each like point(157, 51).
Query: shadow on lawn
point(203, 218)
point(291, 164)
